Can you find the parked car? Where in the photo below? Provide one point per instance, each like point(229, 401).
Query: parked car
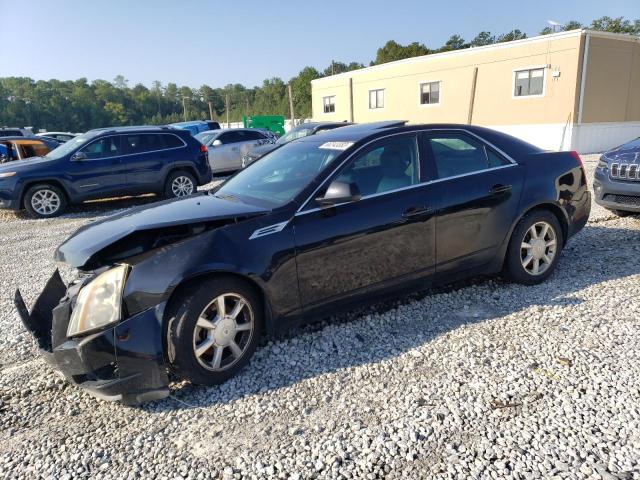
point(617, 179)
point(300, 131)
point(227, 147)
point(211, 125)
point(106, 163)
point(61, 137)
point(194, 127)
point(322, 224)
point(21, 148)
point(15, 132)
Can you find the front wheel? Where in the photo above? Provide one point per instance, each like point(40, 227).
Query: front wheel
point(534, 248)
point(214, 330)
point(45, 201)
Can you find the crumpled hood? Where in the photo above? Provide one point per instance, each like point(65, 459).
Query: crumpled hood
point(89, 240)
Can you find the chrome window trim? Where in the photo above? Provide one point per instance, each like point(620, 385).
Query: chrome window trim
point(184, 144)
point(415, 132)
point(422, 184)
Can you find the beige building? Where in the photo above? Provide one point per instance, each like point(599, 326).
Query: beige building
point(577, 90)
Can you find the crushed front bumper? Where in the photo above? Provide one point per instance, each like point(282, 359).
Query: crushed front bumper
point(122, 363)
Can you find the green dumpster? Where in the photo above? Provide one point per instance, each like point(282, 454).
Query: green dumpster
point(275, 123)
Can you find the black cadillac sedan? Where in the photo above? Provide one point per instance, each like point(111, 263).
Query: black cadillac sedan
point(188, 286)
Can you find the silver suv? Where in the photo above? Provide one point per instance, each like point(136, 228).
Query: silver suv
point(227, 147)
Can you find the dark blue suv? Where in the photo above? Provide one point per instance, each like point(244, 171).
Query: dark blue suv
point(103, 163)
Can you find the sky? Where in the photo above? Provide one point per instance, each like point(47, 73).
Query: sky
point(196, 42)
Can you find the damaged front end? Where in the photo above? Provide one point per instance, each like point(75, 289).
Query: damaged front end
point(122, 361)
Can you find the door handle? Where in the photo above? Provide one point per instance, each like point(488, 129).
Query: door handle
point(416, 212)
point(500, 189)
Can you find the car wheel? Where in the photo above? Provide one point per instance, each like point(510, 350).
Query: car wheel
point(45, 201)
point(620, 213)
point(534, 248)
point(214, 330)
point(180, 184)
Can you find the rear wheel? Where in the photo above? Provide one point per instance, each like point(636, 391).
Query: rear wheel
point(214, 330)
point(534, 248)
point(180, 184)
point(45, 201)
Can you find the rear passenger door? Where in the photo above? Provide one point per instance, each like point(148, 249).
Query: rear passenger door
point(145, 157)
point(478, 191)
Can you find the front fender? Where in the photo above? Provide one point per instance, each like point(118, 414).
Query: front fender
point(268, 262)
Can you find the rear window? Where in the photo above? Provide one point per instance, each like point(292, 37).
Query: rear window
point(172, 141)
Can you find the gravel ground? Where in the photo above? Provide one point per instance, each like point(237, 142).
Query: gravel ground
point(482, 379)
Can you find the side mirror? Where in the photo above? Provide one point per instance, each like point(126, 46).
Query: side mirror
point(76, 157)
point(340, 192)
point(216, 143)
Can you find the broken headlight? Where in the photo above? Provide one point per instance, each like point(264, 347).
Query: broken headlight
point(99, 302)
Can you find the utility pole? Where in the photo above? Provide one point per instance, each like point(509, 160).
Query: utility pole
point(210, 110)
point(332, 68)
point(226, 107)
point(291, 107)
point(184, 107)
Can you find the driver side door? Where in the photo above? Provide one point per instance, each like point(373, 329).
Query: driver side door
point(384, 240)
point(100, 172)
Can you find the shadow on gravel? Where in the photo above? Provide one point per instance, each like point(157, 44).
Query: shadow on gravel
point(596, 255)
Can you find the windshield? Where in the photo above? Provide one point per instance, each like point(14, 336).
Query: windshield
point(280, 175)
point(206, 137)
point(70, 146)
point(294, 134)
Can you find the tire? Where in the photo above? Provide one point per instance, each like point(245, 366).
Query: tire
point(201, 351)
point(180, 184)
point(518, 256)
point(45, 201)
point(620, 213)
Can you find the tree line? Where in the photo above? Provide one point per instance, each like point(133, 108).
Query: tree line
point(79, 105)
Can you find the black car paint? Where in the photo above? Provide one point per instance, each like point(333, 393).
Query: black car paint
point(324, 259)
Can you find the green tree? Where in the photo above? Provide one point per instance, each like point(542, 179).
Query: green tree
point(512, 35)
point(616, 25)
point(482, 39)
point(392, 51)
point(455, 42)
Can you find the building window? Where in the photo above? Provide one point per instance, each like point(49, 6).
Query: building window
point(528, 82)
point(429, 93)
point(329, 104)
point(376, 98)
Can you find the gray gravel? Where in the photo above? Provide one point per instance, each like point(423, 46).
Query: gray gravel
point(482, 379)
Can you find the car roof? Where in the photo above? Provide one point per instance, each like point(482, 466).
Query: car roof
point(134, 129)
point(189, 123)
point(31, 139)
point(355, 132)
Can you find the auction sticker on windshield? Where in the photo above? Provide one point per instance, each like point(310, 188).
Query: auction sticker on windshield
point(336, 145)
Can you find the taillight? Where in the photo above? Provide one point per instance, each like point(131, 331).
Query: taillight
point(203, 149)
point(575, 155)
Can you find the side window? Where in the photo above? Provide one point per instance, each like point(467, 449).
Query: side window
point(103, 148)
point(388, 165)
point(172, 141)
point(253, 136)
point(458, 154)
point(230, 137)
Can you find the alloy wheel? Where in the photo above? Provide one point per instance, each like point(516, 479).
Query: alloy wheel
point(538, 248)
point(182, 186)
point(223, 332)
point(45, 202)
